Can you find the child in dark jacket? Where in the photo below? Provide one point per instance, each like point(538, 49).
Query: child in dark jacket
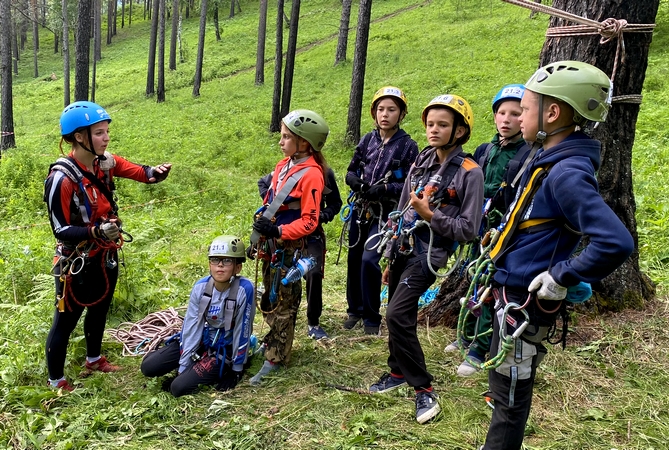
point(440, 205)
point(375, 175)
point(557, 202)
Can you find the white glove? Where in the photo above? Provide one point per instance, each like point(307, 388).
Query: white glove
point(110, 231)
point(547, 288)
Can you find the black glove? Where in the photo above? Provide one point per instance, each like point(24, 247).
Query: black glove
point(324, 217)
point(229, 380)
point(265, 227)
point(356, 184)
point(374, 193)
point(251, 252)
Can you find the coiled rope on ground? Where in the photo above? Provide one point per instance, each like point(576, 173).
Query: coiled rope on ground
point(146, 335)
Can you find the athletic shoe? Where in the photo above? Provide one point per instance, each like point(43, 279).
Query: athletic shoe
point(452, 347)
point(372, 330)
point(351, 322)
point(316, 332)
point(62, 384)
point(102, 365)
point(387, 383)
point(265, 370)
point(466, 369)
point(427, 406)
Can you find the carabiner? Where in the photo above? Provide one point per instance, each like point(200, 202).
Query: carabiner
point(519, 329)
point(77, 265)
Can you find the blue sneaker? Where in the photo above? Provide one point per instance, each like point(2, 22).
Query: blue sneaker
point(387, 383)
point(316, 332)
point(427, 406)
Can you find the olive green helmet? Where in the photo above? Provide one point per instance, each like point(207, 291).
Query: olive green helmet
point(230, 246)
point(308, 125)
point(583, 86)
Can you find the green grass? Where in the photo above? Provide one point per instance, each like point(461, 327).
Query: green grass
point(605, 391)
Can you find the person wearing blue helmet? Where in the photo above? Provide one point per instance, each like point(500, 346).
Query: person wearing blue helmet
point(83, 214)
point(500, 160)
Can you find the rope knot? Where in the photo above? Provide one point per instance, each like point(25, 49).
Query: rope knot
point(611, 28)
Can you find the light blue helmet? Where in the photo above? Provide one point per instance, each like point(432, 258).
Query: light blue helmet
point(81, 114)
point(508, 92)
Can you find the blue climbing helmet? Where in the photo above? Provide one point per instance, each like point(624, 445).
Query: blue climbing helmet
point(81, 114)
point(508, 92)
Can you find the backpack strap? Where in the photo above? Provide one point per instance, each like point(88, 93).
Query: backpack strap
point(279, 198)
point(70, 169)
point(483, 159)
point(228, 307)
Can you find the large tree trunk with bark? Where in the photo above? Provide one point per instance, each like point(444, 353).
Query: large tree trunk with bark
point(35, 20)
point(290, 58)
point(151, 71)
point(216, 28)
point(275, 124)
point(7, 111)
point(627, 286)
point(97, 27)
point(260, 51)
point(66, 55)
point(82, 47)
point(160, 97)
point(342, 40)
point(358, 78)
point(173, 36)
point(200, 49)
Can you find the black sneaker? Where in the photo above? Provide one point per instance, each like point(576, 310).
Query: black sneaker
point(351, 322)
point(387, 383)
point(427, 406)
point(372, 330)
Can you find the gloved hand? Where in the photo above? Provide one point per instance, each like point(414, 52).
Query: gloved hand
point(265, 227)
point(251, 252)
point(229, 380)
point(374, 193)
point(324, 217)
point(547, 288)
point(109, 231)
point(159, 173)
point(356, 184)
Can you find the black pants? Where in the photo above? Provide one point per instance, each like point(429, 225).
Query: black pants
point(363, 286)
point(314, 278)
point(166, 359)
point(94, 283)
point(511, 385)
point(409, 278)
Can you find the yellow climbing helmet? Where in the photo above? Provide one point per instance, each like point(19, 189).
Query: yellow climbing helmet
point(456, 104)
point(390, 91)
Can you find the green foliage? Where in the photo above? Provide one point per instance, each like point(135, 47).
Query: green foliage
point(220, 146)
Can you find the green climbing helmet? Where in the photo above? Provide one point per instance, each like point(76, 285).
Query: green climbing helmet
point(583, 86)
point(230, 246)
point(308, 125)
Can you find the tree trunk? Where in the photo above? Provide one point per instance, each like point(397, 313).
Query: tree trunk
point(82, 40)
point(290, 58)
point(66, 55)
point(97, 31)
point(627, 286)
point(260, 51)
point(35, 21)
point(130, 12)
point(200, 49)
point(161, 53)
point(232, 9)
point(15, 47)
point(123, 13)
point(110, 8)
point(218, 31)
point(7, 111)
point(358, 79)
point(151, 72)
point(173, 36)
point(94, 79)
point(56, 38)
point(275, 125)
point(342, 40)
point(115, 8)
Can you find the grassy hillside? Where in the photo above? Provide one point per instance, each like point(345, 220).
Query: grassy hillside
point(604, 391)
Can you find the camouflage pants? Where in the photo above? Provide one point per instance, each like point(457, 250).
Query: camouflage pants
point(281, 313)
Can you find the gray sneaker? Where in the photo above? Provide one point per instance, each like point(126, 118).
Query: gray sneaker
point(265, 370)
point(427, 406)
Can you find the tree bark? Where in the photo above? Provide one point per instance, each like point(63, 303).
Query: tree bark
point(290, 58)
point(275, 125)
point(342, 40)
point(173, 36)
point(15, 47)
point(35, 20)
point(200, 49)
point(97, 27)
point(130, 12)
point(161, 53)
point(123, 13)
point(110, 9)
point(627, 286)
point(260, 51)
point(232, 9)
point(66, 55)
point(7, 111)
point(218, 31)
point(358, 78)
point(151, 72)
point(115, 8)
point(82, 47)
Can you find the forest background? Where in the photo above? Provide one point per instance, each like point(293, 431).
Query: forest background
point(606, 390)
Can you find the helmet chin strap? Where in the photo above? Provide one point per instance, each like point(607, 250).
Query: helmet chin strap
point(92, 149)
point(541, 134)
point(505, 140)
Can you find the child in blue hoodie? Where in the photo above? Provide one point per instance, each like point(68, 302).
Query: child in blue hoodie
point(375, 175)
point(557, 203)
